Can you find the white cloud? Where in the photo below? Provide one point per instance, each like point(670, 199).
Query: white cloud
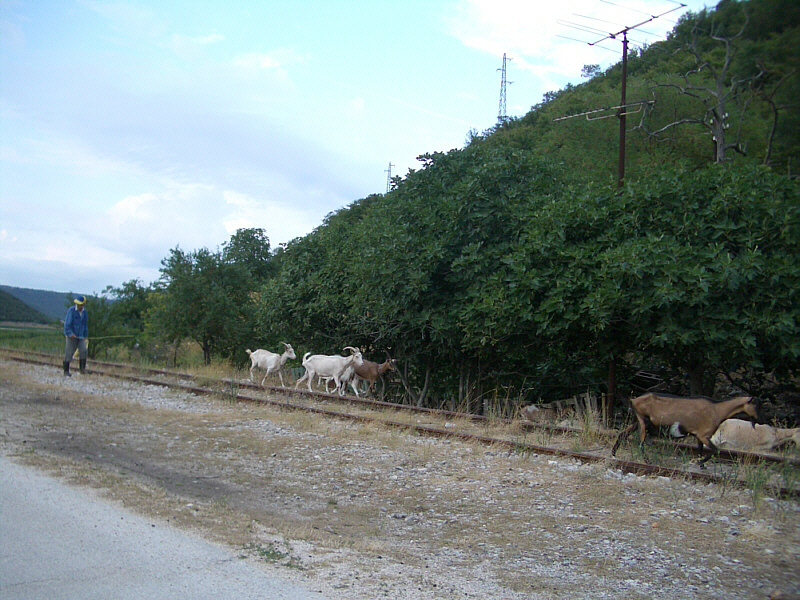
point(185, 215)
point(535, 35)
point(208, 39)
point(283, 221)
point(279, 58)
point(191, 47)
point(74, 155)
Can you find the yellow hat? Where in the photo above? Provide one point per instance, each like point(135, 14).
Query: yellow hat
point(79, 300)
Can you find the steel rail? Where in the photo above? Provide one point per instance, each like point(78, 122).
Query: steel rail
point(724, 454)
point(625, 466)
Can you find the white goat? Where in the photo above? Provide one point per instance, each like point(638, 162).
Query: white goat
point(699, 416)
point(345, 379)
point(735, 434)
point(333, 366)
point(539, 414)
point(270, 362)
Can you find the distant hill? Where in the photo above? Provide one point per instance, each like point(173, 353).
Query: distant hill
point(53, 305)
point(14, 309)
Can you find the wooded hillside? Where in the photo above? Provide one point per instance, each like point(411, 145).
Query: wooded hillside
point(51, 305)
point(722, 88)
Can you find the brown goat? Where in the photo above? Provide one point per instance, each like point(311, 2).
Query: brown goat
point(698, 415)
point(370, 371)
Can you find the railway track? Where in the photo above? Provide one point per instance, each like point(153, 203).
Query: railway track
point(557, 441)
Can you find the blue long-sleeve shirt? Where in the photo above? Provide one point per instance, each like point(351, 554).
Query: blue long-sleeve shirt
point(76, 323)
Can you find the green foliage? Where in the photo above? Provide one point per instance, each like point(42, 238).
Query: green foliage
point(483, 262)
point(698, 268)
point(249, 248)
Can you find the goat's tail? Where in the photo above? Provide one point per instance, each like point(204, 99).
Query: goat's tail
point(248, 352)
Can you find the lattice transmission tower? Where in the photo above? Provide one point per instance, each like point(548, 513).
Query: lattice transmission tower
point(389, 177)
point(501, 112)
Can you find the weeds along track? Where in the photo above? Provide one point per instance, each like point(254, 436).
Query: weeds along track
point(586, 444)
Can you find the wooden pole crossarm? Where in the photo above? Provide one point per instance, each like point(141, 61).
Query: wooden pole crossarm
point(588, 114)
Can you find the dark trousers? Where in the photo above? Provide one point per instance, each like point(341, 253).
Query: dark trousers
point(79, 344)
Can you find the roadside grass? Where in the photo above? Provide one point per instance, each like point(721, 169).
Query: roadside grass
point(272, 552)
point(40, 338)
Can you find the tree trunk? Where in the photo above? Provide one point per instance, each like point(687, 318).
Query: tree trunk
point(403, 374)
point(696, 371)
point(423, 395)
point(611, 393)
point(463, 384)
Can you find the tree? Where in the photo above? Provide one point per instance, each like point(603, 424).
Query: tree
point(130, 304)
point(250, 249)
point(590, 71)
point(397, 272)
point(721, 87)
point(206, 299)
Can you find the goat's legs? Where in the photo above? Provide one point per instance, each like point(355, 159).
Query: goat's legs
point(622, 436)
point(714, 451)
point(307, 376)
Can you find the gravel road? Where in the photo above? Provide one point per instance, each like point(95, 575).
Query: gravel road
point(359, 512)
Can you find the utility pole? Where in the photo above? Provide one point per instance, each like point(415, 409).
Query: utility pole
point(622, 111)
point(389, 177)
point(501, 111)
point(624, 108)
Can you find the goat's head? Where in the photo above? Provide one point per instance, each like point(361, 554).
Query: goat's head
point(358, 359)
point(752, 408)
point(289, 352)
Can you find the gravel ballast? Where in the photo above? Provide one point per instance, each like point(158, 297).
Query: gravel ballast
point(361, 511)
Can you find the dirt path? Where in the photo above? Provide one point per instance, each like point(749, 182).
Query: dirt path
point(365, 512)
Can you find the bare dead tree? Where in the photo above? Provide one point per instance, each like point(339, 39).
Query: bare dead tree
point(713, 83)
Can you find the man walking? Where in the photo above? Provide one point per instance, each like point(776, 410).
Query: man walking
point(76, 330)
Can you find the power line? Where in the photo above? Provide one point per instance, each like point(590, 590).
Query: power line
point(623, 109)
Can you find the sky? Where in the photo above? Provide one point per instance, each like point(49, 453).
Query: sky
point(131, 128)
